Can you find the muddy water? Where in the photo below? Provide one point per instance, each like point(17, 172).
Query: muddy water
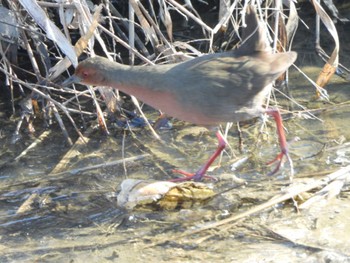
point(72, 216)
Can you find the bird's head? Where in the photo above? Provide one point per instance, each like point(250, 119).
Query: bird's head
point(88, 72)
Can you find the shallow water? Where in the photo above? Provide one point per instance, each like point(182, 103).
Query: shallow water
point(48, 216)
point(73, 216)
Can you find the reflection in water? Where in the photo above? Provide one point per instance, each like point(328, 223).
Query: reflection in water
point(55, 216)
point(49, 216)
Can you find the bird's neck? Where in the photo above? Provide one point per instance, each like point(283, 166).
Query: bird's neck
point(149, 84)
point(146, 78)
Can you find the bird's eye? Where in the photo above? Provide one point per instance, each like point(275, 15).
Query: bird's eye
point(85, 74)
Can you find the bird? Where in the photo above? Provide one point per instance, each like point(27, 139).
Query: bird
point(209, 90)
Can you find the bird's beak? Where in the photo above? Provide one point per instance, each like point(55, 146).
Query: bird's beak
point(71, 80)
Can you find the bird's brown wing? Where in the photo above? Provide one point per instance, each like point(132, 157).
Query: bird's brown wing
point(220, 86)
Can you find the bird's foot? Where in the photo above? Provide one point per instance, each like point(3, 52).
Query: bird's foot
point(200, 174)
point(279, 160)
point(283, 144)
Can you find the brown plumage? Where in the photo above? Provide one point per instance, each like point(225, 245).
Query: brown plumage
point(207, 90)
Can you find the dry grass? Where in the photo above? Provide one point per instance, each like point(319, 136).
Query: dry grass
point(53, 36)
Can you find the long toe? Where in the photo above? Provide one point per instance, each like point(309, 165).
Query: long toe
point(279, 160)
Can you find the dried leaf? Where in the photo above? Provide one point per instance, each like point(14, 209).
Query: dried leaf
point(162, 195)
point(52, 31)
point(166, 18)
point(79, 46)
point(282, 44)
point(149, 31)
point(325, 75)
point(186, 195)
point(293, 22)
point(332, 64)
point(140, 192)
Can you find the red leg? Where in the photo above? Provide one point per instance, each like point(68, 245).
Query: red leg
point(201, 172)
point(283, 143)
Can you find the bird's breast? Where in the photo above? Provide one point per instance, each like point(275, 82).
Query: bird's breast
point(171, 104)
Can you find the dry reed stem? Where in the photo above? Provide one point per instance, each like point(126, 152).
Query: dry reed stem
point(164, 46)
point(292, 191)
